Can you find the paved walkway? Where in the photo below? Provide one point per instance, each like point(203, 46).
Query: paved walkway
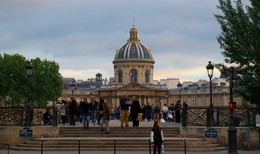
point(119, 152)
point(116, 123)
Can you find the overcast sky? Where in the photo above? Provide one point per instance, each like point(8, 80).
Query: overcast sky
point(83, 35)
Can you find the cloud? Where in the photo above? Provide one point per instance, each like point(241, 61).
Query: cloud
point(184, 75)
point(83, 35)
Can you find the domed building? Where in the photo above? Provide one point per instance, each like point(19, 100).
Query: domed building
point(133, 74)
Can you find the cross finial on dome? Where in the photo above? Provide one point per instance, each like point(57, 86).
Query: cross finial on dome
point(133, 35)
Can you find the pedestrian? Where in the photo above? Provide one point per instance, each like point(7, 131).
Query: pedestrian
point(156, 112)
point(135, 110)
point(124, 104)
point(105, 117)
point(84, 107)
point(177, 109)
point(117, 113)
point(148, 111)
point(184, 110)
point(143, 111)
point(93, 109)
point(47, 117)
point(100, 109)
point(63, 112)
point(157, 137)
point(165, 112)
point(72, 107)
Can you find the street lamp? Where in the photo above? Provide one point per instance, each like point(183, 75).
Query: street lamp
point(179, 85)
point(28, 71)
point(72, 86)
point(210, 69)
point(232, 131)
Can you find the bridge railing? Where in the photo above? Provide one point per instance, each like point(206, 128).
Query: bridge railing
point(15, 116)
point(197, 116)
point(116, 140)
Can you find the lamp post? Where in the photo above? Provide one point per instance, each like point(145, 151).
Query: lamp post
point(72, 86)
point(28, 71)
point(179, 85)
point(232, 131)
point(210, 69)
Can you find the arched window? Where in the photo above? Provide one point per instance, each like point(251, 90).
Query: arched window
point(133, 75)
point(147, 76)
point(120, 76)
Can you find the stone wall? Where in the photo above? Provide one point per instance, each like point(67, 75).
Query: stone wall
point(250, 134)
point(10, 134)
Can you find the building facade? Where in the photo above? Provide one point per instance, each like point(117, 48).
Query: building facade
point(133, 75)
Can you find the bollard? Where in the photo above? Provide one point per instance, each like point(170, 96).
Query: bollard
point(185, 148)
point(8, 148)
point(114, 145)
point(150, 146)
point(79, 147)
point(42, 146)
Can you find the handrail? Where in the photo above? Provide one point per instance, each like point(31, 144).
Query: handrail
point(8, 147)
point(115, 139)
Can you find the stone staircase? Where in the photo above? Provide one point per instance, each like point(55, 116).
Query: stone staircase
point(127, 139)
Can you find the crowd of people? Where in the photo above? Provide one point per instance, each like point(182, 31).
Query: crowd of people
point(99, 112)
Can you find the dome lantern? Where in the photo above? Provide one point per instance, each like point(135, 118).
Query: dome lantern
point(133, 35)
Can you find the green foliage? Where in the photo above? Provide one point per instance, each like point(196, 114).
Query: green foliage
point(240, 40)
point(16, 90)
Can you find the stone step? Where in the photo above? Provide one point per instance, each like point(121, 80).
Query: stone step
point(94, 142)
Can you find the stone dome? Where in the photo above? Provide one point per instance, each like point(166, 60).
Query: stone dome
point(133, 50)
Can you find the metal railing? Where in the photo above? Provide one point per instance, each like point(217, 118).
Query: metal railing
point(245, 117)
point(15, 116)
point(115, 139)
point(5, 145)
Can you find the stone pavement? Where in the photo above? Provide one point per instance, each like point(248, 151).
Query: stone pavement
point(116, 123)
point(118, 152)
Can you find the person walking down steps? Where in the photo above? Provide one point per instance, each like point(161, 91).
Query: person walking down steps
point(157, 137)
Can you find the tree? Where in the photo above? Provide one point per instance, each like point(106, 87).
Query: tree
point(16, 90)
point(240, 40)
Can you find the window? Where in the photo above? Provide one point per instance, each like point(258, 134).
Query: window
point(174, 100)
point(147, 76)
point(184, 99)
point(194, 100)
point(120, 76)
point(133, 75)
point(203, 100)
point(219, 100)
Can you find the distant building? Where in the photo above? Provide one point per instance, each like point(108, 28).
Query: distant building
point(133, 75)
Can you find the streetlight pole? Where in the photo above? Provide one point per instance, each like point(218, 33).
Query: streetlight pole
point(232, 131)
point(28, 71)
point(72, 86)
point(179, 85)
point(210, 69)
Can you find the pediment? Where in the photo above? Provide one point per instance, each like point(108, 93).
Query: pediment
point(134, 86)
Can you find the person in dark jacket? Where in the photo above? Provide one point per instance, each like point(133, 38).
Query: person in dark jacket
point(157, 111)
point(47, 117)
point(72, 107)
point(148, 111)
point(84, 107)
point(93, 109)
point(124, 104)
point(156, 137)
point(135, 109)
point(177, 109)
